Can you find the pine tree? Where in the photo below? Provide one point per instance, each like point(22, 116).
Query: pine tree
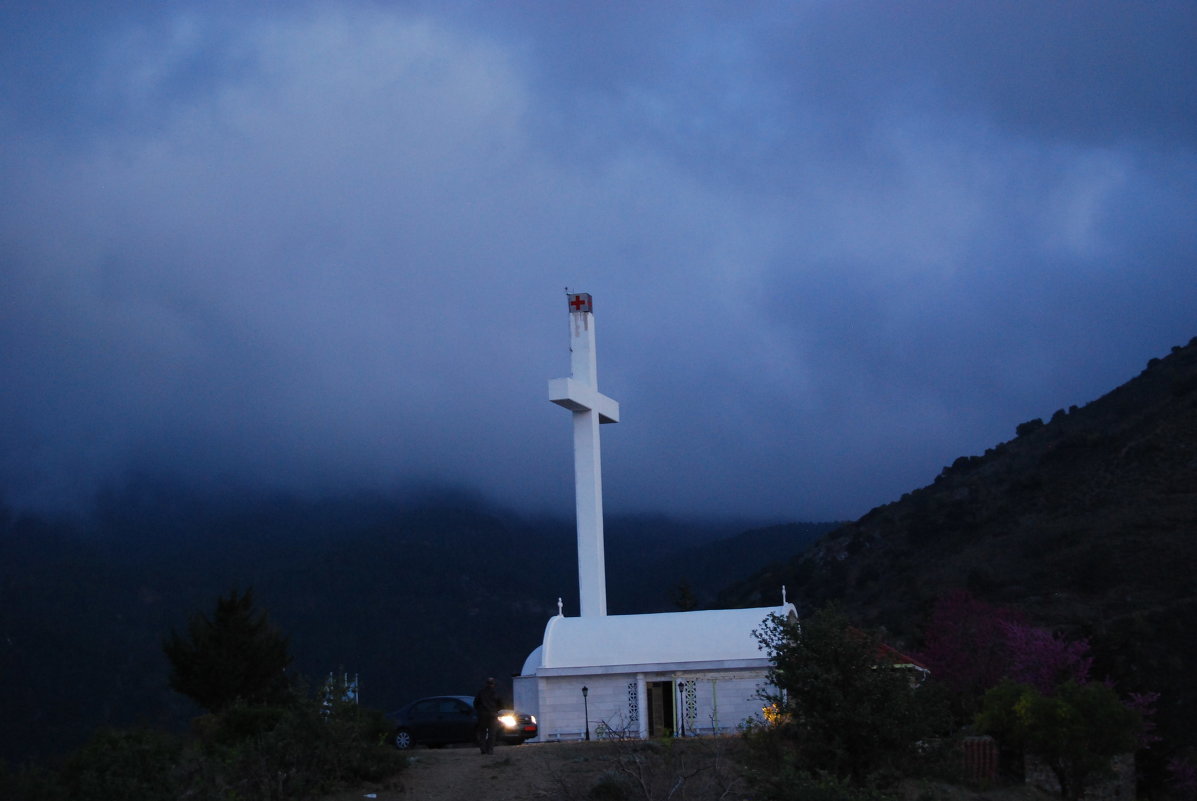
point(236, 655)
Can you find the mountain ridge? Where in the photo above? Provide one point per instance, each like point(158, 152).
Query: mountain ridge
point(419, 596)
point(1086, 523)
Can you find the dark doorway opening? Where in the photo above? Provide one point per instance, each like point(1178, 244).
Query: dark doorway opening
point(660, 709)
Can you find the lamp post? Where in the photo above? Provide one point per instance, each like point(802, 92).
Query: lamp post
point(586, 709)
point(681, 707)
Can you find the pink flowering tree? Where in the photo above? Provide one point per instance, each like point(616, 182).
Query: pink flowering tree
point(965, 643)
point(1043, 659)
point(1034, 689)
point(971, 645)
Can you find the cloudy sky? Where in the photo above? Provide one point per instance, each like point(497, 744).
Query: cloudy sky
point(323, 246)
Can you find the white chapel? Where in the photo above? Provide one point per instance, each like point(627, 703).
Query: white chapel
point(673, 673)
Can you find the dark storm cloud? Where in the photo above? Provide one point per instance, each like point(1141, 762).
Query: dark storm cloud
point(832, 246)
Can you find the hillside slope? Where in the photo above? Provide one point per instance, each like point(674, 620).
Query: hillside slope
point(1088, 523)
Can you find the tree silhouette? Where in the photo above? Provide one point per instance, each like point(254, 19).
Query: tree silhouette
point(683, 597)
point(237, 655)
point(840, 698)
point(1075, 731)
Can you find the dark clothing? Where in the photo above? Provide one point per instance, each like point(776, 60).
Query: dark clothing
point(487, 702)
point(486, 706)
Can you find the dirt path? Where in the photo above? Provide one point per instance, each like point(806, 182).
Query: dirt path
point(569, 771)
point(513, 773)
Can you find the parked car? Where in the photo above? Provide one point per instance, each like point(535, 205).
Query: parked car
point(447, 719)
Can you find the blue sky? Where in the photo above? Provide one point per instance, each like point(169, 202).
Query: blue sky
point(322, 247)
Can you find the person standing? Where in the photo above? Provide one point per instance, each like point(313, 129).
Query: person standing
point(486, 706)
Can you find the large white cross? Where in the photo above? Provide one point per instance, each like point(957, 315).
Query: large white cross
point(579, 393)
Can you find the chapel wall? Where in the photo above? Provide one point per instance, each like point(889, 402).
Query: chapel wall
point(717, 703)
point(525, 695)
point(563, 713)
point(721, 704)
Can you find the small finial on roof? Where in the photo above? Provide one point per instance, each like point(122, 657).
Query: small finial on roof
point(559, 608)
point(783, 595)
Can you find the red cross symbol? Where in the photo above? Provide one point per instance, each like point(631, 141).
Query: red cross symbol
point(580, 303)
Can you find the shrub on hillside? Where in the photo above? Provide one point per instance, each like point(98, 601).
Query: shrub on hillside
point(1022, 429)
point(140, 764)
point(1076, 730)
point(779, 778)
point(843, 708)
point(294, 752)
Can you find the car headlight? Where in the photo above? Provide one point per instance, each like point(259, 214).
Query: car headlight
point(508, 721)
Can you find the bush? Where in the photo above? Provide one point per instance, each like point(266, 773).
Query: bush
point(138, 764)
point(1029, 426)
point(294, 752)
point(781, 777)
point(610, 786)
point(238, 724)
point(847, 710)
point(30, 784)
point(246, 753)
point(1076, 731)
point(699, 769)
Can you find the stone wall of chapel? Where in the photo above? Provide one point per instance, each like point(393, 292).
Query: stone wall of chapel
point(526, 695)
point(715, 703)
point(563, 712)
point(721, 703)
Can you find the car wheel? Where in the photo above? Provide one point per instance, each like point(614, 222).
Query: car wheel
point(403, 740)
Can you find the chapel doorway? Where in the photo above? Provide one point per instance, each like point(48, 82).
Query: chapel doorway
point(660, 709)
